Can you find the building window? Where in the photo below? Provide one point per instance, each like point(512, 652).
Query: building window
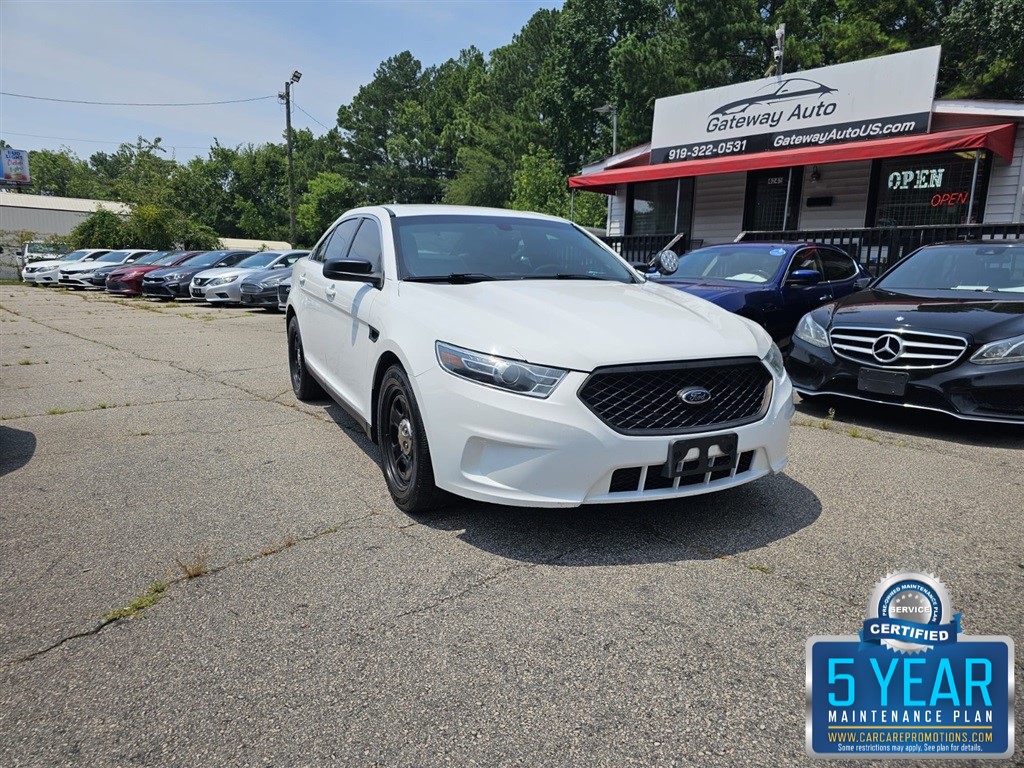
point(929, 190)
point(773, 199)
point(660, 207)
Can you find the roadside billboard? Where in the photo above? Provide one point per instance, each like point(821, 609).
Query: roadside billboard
point(15, 167)
point(886, 96)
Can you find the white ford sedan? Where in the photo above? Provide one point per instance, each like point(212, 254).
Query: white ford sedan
point(513, 358)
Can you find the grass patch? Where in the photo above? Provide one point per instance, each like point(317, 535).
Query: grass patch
point(103, 406)
point(196, 568)
point(826, 423)
point(761, 568)
point(149, 598)
point(62, 411)
point(274, 548)
point(25, 361)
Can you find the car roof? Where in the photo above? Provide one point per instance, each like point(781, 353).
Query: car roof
point(977, 243)
point(402, 210)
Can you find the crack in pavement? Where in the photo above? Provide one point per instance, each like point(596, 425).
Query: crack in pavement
point(287, 543)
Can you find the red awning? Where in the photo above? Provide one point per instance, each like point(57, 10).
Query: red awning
point(998, 138)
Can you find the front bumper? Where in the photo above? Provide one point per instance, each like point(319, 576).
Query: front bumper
point(125, 287)
point(265, 297)
point(47, 277)
point(496, 446)
point(228, 293)
point(83, 280)
point(965, 390)
point(164, 290)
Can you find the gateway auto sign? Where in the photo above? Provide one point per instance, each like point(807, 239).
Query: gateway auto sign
point(870, 99)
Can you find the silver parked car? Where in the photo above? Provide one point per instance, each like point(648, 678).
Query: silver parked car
point(223, 285)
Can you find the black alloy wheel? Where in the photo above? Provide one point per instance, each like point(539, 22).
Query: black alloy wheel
point(405, 455)
point(303, 383)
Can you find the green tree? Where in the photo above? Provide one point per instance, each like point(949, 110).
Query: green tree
point(102, 229)
point(983, 50)
point(540, 185)
point(61, 173)
point(329, 195)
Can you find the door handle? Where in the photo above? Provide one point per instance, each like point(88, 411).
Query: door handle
point(302, 279)
point(331, 293)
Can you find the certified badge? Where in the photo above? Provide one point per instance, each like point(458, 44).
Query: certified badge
point(910, 612)
point(911, 684)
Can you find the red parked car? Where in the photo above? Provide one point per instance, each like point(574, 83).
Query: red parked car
point(127, 281)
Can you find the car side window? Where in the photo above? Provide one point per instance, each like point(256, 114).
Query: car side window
point(234, 258)
point(367, 244)
point(338, 244)
point(806, 258)
point(838, 266)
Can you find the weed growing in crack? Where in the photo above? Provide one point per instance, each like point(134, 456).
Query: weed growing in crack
point(826, 423)
point(274, 548)
point(149, 598)
point(196, 568)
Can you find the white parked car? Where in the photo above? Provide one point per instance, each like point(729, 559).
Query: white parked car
point(222, 285)
point(48, 272)
point(80, 274)
point(512, 357)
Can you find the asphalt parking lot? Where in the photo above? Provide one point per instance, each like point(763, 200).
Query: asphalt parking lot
point(143, 441)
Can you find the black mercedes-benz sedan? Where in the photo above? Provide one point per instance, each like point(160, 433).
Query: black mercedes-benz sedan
point(942, 330)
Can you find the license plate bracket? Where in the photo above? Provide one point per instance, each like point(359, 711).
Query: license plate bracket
point(882, 382)
point(693, 456)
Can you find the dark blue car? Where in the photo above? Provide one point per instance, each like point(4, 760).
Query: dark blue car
point(774, 284)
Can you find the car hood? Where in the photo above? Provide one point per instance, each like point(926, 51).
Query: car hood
point(581, 325)
point(51, 263)
point(183, 269)
point(85, 266)
point(126, 268)
point(206, 274)
point(719, 293)
point(983, 317)
point(259, 275)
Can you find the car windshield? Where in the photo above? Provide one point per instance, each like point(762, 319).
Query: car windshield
point(157, 257)
point(467, 248)
point(977, 268)
point(735, 263)
point(74, 256)
point(41, 250)
point(258, 260)
point(204, 259)
point(114, 257)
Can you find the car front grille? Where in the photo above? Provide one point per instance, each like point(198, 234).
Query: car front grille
point(897, 347)
point(650, 478)
point(647, 399)
point(201, 280)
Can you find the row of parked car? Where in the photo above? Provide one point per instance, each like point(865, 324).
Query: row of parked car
point(252, 278)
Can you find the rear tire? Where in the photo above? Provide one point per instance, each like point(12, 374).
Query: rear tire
point(303, 383)
point(405, 454)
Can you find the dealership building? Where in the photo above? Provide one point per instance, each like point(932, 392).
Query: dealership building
point(858, 154)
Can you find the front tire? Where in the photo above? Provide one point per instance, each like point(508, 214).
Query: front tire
point(303, 383)
point(405, 455)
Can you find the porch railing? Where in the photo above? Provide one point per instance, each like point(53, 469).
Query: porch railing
point(878, 248)
point(640, 249)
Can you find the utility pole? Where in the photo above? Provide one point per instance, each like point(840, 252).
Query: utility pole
point(287, 97)
point(779, 50)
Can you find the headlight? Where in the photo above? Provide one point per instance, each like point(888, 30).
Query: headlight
point(223, 280)
point(809, 331)
point(774, 361)
point(1005, 351)
point(499, 372)
point(270, 282)
point(175, 276)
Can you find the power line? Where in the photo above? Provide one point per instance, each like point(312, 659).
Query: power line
point(310, 116)
point(137, 104)
point(90, 141)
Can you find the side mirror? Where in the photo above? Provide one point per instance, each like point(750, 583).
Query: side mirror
point(862, 282)
point(666, 262)
point(804, 277)
point(352, 270)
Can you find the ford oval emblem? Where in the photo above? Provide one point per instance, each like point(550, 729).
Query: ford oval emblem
point(694, 395)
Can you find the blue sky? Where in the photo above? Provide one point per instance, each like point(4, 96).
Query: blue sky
point(204, 50)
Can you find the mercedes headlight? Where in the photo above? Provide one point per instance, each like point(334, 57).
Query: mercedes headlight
point(808, 330)
point(499, 372)
point(774, 361)
point(1005, 351)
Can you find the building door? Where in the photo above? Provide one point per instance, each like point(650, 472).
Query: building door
point(773, 199)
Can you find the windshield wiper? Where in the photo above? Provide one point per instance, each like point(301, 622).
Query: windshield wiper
point(565, 276)
point(454, 278)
